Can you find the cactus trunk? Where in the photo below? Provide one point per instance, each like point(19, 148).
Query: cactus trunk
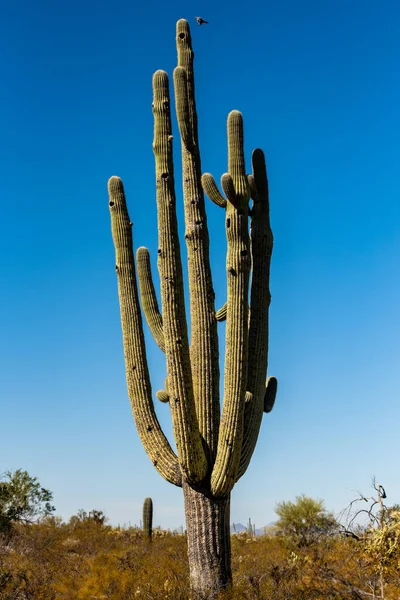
point(209, 543)
point(214, 444)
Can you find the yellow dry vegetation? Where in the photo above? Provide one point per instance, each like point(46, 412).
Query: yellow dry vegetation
point(85, 560)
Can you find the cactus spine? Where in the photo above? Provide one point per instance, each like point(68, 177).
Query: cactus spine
point(213, 449)
point(148, 518)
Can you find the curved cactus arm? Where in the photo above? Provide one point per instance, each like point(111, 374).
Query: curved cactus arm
point(238, 268)
point(220, 315)
point(204, 340)
point(153, 439)
point(163, 395)
point(191, 455)
point(148, 297)
point(260, 298)
point(212, 191)
point(229, 188)
point(253, 190)
point(270, 394)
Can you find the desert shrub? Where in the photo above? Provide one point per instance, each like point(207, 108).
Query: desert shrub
point(305, 520)
point(86, 559)
point(22, 500)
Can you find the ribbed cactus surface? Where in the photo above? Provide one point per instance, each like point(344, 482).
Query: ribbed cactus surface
point(214, 442)
point(148, 518)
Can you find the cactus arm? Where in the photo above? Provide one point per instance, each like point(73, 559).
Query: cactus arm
point(270, 394)
point(182, 108)
point(260, 297)
point(162, 396)
point(212, 191)
point(191, 455)
point(238, 268)
point(229, 188)
point(220, 315)
point(148, 297)
point(204, 340)
point(253, 189)
point(153, 439)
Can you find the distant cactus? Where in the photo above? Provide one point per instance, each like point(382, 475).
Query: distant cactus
point(148, 518)
point(213, 446)
point(251, 529)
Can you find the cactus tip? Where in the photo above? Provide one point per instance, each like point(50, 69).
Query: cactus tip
point(180, 72)
point(115, 184)
point(235, 114)
point(182, 24)
point(258, 157)
point(160, 76)
point(183, 31)
point(142, 252)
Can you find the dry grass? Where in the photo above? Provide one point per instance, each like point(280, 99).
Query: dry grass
point(90, 561)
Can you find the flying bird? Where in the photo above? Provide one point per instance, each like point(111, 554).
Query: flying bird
point(201, 21)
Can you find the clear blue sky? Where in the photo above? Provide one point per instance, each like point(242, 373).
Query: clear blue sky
point(318, 86)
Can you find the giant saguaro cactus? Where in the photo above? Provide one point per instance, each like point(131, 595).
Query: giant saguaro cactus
point(213, 449)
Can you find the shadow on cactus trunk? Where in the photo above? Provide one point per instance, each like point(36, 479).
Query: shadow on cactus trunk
point(214, 446)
